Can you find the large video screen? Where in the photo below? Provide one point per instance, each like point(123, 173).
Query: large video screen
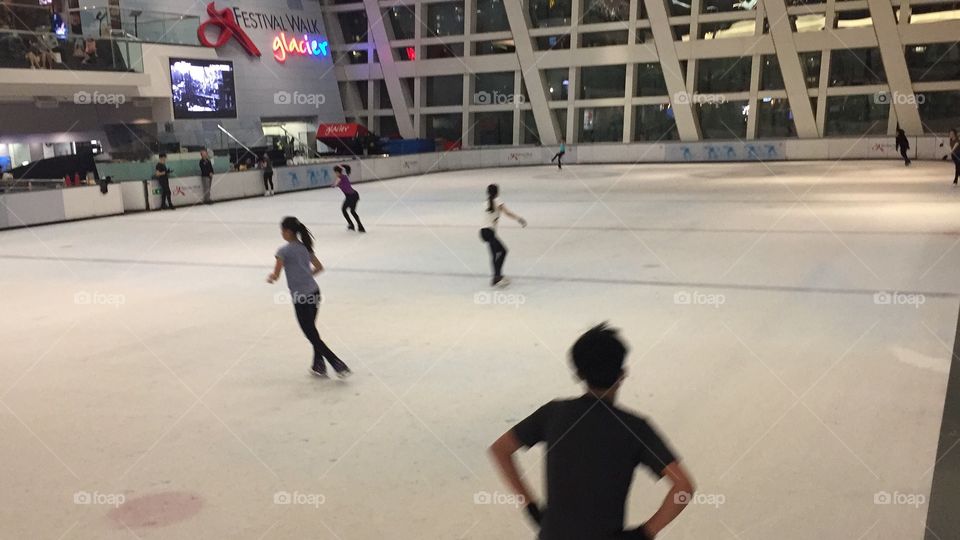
point(202, 89)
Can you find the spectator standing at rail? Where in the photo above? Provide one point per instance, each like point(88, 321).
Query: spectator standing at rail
point(206, 176)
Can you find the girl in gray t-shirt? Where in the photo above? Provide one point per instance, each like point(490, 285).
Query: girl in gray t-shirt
point(300, 265)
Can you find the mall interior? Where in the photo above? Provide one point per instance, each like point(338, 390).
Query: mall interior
point(756, 195)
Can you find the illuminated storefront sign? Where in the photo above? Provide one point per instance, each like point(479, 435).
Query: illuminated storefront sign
point(297, 35)
point(298, 46)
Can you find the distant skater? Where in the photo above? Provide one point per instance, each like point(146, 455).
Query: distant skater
point(498, 252)
point(300, 265)
point(162, 174)
point(593, 447)
point(558, 157)
point(267, 167)
point(955, 155)
point(903, 145)
point(351, 197)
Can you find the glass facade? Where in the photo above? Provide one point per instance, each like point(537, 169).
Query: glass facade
point(469, 91)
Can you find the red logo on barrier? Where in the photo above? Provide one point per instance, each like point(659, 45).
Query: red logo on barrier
point(229, 28)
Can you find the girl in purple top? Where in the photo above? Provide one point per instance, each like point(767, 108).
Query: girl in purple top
point(351, 197)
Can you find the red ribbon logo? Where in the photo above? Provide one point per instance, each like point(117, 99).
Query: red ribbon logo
point(229, 28)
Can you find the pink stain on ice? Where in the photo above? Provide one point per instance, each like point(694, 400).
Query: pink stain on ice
point(157, 510)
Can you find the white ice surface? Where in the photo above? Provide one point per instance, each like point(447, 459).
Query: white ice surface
point(795, 401)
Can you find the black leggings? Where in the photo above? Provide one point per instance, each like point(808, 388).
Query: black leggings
point(903, 153)
point(350, 203)
point(166, 196)
point(268, 181)
point(498, 251)
point(956, 168)
point(306, 308)
point(558, 157)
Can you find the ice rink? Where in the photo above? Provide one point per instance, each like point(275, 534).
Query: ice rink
point(791, 328)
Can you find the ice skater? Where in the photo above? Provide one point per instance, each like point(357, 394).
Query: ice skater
point(351, 197)
point(592, 449)
point(267, 165)
point(498, 252)
point(300, 265)
point(558, 157)
point(954, 154)
point(903, 145)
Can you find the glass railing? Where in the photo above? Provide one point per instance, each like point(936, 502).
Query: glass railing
point(43, 50)
point(147, 26)
point(101, 23)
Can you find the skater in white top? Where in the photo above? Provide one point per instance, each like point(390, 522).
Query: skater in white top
point(498, 252)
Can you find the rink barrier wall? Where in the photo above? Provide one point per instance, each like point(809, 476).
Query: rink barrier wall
point(57, 205)
point(34, 208)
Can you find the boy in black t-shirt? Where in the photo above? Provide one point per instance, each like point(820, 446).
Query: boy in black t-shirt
point(162, 174)
point(593, 447)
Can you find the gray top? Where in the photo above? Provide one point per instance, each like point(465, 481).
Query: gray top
point(296, 265)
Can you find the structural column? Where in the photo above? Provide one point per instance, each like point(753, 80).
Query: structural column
point(793, 80)
point(532, 76)
point(902, 99)
point(680, 100)
point(399, 96)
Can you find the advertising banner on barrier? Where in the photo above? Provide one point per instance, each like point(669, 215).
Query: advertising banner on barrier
point(305, 177)
point(727, 151)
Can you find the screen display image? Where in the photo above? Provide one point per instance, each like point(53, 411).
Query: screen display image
point(202, 89)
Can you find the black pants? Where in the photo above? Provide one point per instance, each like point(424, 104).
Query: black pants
point(306, 308)
point(268, 181)
point(498, 251)
point(903, 152)
point(166, 196)
point(558, 157)
point(350, 203)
